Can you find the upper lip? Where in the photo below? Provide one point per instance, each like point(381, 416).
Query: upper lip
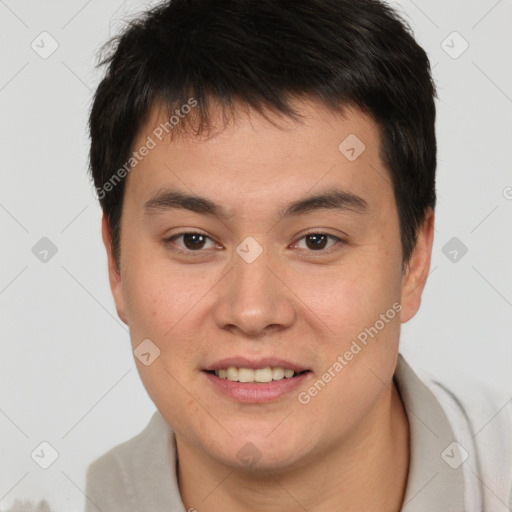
point(243, 362)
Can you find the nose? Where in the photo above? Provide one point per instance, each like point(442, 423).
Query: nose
point(253, 298)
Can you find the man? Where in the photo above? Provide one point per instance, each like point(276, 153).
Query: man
point(267, 176)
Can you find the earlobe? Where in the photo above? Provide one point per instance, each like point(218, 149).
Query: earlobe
point(415, 276)
point(114, 273)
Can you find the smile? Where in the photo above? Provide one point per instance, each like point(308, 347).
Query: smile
point(257, 386)
point(260, 375)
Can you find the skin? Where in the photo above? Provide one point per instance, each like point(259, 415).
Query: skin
point(348, 448)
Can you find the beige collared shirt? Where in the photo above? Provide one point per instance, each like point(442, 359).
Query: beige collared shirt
point(453, 466)
point(434, 482)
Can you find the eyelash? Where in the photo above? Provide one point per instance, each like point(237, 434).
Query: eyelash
point(200, 252)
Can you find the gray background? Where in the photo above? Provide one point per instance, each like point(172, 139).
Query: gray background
point(68, 376)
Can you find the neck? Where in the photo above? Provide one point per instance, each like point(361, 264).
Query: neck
point(368, 472)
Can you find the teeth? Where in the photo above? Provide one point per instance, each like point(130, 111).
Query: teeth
point(262, 375)
point(277, 373)
point(232, 374)
point(245, 375)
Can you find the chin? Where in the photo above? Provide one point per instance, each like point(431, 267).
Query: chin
point(260, 452)
point(253, 461)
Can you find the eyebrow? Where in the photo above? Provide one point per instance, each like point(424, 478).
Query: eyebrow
point(334, 199)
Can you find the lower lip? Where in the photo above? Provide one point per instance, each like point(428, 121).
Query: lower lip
point(252, 393)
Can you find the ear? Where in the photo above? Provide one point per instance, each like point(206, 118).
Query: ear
point(416, 273)
point(114, 273)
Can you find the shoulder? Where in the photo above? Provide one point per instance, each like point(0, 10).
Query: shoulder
point(487, 410)
point(481, 419)
point(119, 479)
point(106, 484)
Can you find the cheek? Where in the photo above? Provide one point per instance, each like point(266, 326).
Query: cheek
point(351, 296)
point(362, 310)
point(158, 295)
point(361, 305)
point(161, 306)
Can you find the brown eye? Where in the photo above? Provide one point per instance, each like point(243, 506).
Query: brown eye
point(318, 242)
point(193, 241)
point(190, 242)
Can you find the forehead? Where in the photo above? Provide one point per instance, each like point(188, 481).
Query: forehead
point(252, 157)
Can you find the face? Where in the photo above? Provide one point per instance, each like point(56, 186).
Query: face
point(257, 251)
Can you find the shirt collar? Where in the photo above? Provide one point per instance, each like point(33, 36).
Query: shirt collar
point(432, 483)
point(435, 481)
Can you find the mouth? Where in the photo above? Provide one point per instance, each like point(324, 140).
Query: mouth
point(262, 381)
point(256, 375)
